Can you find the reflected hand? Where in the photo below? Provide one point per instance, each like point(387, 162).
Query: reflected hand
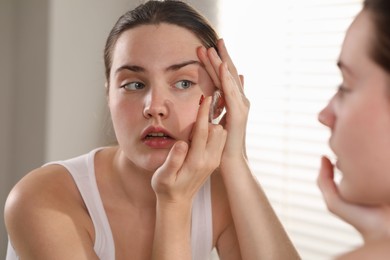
point(373, 222)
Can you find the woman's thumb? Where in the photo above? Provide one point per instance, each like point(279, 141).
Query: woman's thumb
point(167, 172)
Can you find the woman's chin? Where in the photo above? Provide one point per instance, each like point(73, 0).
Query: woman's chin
point(152, 164)
point(355, 195)
point(348, 192)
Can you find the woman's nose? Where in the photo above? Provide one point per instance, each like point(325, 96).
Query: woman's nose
point(327, 116)
point(156, 104)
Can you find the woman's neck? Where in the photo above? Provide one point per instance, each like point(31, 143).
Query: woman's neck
point(125, 181)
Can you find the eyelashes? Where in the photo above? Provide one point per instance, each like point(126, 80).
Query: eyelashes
point(181, 84)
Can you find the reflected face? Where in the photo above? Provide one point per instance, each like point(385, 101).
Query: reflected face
point(358, 116)
point(156, 82)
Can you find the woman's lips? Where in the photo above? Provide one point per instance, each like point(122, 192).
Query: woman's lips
point(159, 141)
point(157, 137)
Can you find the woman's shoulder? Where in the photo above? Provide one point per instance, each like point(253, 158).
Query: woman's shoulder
point(51, 185)
point(44, 214)
point(46, 189)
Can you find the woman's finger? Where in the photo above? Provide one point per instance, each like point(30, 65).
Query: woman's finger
point(215, 60)
point(166, 174)
point(216, 142)
point(225, 57)
point(241, 80)
point(200, 129)
point(326, 183)
point(335, 203)
point(202, 54)
point(233, 94)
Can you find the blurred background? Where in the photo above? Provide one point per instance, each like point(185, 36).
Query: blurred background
point(53, 104)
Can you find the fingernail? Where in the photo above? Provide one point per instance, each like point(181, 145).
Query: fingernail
point(201, 100)
point(181, 146)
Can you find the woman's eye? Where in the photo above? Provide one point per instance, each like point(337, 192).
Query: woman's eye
point(133, 86)
point(183, 84)
point(342, 91)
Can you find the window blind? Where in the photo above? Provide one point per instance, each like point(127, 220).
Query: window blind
point(287, 51)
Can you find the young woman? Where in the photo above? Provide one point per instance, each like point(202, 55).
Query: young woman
point(176, 185)
point(358, 116)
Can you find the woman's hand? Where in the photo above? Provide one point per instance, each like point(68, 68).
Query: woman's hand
point(224, 75)
point(373, 222)
point(178, 180)
point(187, 167)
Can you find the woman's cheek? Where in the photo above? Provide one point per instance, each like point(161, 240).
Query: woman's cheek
point(126, 113)
point(188, 119)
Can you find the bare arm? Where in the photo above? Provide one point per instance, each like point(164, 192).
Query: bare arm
point(43, 223)
point(259, 232)
point(172, 237)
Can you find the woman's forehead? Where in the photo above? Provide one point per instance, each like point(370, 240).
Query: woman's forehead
point(156, 43)
point(358, 40)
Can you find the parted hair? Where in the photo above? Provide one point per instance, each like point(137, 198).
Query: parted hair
point(154, 12)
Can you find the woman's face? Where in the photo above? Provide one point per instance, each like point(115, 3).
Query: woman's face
point(358, 116)
point(156, 82)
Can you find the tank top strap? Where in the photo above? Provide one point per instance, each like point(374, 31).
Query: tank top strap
point(202, 227)
point(82, 170)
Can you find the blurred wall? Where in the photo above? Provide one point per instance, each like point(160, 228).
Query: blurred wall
point(52, 99)
point(23, 72)
point(6, 79)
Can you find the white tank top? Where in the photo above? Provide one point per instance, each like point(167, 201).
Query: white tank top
point(83, 172)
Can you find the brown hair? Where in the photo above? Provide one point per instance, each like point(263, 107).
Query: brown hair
point(156, 12)
point(380, 15)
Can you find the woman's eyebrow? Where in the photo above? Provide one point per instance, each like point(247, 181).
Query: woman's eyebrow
point(173, 67)
point(342, 66)
point(178, 66)
point(133, 68)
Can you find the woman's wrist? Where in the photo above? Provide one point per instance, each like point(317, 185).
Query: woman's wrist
point(172, 237)
point(235, 160)
point(173, 206)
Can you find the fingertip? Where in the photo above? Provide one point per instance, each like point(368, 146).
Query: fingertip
point(204, 108)
point(325, 173)
point(325, 162)
point(221, 44)
point(208, 100)
point(181, 146)
point(205, 100)
point(201, 99)
point(202, 51)
point(323, 159)
point(242, 80)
